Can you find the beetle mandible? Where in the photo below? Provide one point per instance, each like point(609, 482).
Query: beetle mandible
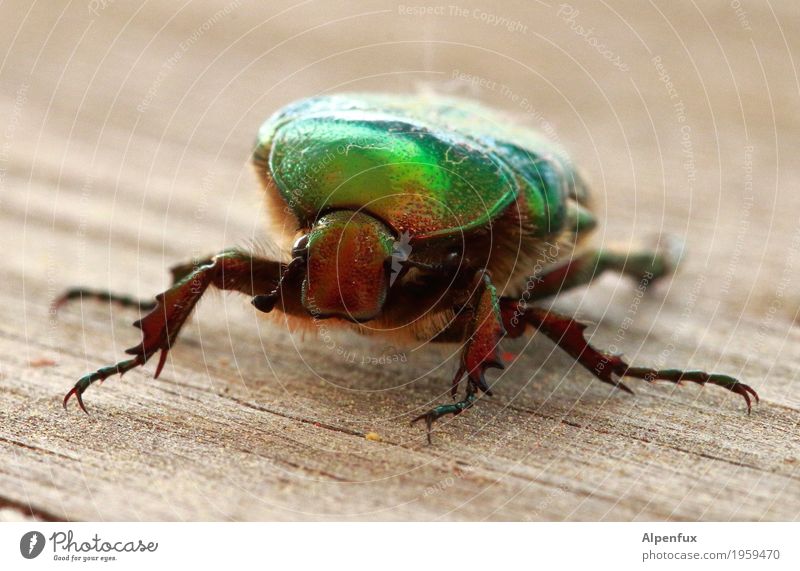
point(477, 204)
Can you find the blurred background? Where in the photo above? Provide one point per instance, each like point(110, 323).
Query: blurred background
point(127, 129)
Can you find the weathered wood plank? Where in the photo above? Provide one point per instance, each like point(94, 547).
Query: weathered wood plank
point(248, 422)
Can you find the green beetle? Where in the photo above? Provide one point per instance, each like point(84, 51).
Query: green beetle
point(417, 217)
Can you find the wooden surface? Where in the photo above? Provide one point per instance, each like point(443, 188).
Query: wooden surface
point(126, 132)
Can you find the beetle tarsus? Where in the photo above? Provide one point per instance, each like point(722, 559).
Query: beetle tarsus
point(99, 375)
point(455, 409)
point(700, 377)
point(101, 295)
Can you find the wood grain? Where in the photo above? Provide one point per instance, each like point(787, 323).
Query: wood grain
point(127, 131)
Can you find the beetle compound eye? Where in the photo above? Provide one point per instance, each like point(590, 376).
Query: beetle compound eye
point(300, 248)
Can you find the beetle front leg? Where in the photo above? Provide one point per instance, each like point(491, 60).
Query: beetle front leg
point(228, 270)
point(568, 334)
point(479, 354)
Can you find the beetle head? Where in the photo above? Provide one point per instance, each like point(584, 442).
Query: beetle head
point(348, 265)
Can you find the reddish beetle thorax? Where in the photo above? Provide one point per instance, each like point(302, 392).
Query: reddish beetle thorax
point(349, 258)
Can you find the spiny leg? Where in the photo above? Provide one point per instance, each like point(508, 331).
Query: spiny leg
point(228, 270)
point(641, 265)
point(480, 353)
point(568, 334)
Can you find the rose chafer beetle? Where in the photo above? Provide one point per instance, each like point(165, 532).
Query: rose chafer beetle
point(490, 218)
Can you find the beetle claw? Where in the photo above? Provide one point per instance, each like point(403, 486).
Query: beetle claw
point(455, 409)
point(161, 360)
point(78, 392)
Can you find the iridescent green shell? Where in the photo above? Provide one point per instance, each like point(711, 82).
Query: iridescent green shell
point(431, 167)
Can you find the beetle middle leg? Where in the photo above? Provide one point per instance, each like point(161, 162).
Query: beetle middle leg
point(83, 293)
point(229, 270)
point(178, 272)
point(568, 334)
point(481, 352)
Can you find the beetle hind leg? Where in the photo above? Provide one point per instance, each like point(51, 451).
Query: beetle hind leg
point(228, 270)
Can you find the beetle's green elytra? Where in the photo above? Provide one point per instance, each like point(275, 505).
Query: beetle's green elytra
point(431, 168)
point(422, 219)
